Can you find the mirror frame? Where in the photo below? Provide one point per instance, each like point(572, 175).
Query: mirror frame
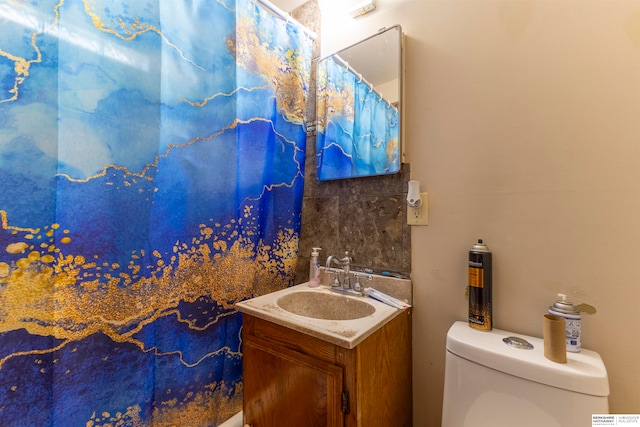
point(393, 161)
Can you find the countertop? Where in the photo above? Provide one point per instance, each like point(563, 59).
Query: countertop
point(344, 333)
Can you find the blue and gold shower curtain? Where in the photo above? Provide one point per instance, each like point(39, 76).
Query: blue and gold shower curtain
point(358, 132)
point(151, 173)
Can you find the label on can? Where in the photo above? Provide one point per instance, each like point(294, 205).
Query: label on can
point(476, 277)
point(573, 330)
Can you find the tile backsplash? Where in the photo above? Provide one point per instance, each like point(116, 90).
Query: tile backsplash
point(365, 216)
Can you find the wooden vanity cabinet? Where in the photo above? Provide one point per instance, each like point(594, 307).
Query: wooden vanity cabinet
point(294, 379)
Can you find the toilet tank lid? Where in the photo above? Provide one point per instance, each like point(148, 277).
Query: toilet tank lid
point(584, 372)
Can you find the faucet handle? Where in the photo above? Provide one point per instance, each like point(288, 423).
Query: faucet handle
point(336, 276)
point(358, 286)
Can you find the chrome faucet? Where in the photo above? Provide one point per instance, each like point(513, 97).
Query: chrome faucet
point(344, 262)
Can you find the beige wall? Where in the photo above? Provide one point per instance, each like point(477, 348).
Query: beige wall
point(523, 124)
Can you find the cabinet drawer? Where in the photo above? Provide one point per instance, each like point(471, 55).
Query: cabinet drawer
point(289, 338)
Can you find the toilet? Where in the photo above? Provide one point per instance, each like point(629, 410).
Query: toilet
point(489, 382)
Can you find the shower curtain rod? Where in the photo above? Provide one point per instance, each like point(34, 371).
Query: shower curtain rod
point(345, 64)
point(285, 16)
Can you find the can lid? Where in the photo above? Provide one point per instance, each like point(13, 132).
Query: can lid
point(564, 306)
point(480, 247)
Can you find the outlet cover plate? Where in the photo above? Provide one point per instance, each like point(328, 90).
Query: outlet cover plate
point(419, 216)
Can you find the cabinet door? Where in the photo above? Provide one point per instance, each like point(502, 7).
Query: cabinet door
point(286, 388)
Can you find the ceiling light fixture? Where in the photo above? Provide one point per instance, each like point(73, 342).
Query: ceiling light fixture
point(362, 8)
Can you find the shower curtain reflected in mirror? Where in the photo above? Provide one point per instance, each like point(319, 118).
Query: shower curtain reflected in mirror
point(357, 129)
point(151, 162)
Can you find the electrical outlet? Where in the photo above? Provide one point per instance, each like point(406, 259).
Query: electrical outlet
point(420, 215)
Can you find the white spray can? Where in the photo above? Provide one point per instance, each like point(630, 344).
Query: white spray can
point(564, 308)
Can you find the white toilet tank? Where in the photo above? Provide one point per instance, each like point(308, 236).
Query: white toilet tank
point(489, 383)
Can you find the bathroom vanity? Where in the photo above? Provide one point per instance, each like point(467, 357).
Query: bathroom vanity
point(312, 371)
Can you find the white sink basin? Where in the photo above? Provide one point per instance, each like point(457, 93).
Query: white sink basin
point(325, 306)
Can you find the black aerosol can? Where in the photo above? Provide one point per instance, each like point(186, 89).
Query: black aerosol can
point(480, 316)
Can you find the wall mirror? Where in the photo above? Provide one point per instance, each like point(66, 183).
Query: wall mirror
point(359, 91)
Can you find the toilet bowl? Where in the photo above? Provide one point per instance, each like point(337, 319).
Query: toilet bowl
point(491, 383)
